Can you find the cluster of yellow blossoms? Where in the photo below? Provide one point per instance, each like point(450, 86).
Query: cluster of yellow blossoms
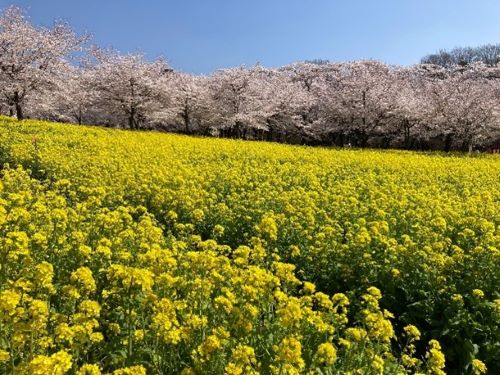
point(134, 253)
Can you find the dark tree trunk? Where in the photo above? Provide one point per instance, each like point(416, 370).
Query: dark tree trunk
point(187, 121)
point(448, 142)
point(341, 140)
point(132, 123)
point(19, 112)
point(19, 108)
point(362, 139)
point(237, 129)
point(467, 146)
point(269, 135)
point(79, 115)
point(407, 135)
point(386, 142)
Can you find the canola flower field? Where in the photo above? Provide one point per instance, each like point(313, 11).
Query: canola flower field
point(145, 253)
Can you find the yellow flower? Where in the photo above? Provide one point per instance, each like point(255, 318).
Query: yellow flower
point(435, 358)
point(412, 332)
point(375, 292)
point(165, 322)
point(8, 302)
point(89, 370)
point(134, 370)
point(286, 272)
point(478, 293)
point(57, 364)
point(408, 361)
point(84, 279)
point(478, 367)
point(323, 301)
point(198, 215)
point(139, 334)
point(378, 364)
point(114, 327)
point(346, 343)
point(211, 344)
point(308, 288)
point(224, 302)
point(218, 230)
point(85, 251)
point(131, 277)
point(440, 223)
point(268, 227)
point(38, 311)
point(43, 276)
point(378, 327)
point(326, 354)
point(244, 354)
point(356, 334)
point(290, 314)
point(96, 337)
point(90, 309)
point(64, 333)
point(4, 356)
point(289, 352)
point(233, 369)
point(340, 299)
point(294, 251)
point(71, 292)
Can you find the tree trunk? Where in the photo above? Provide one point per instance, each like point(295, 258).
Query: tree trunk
point(363, 117)
point(341, 140)
point(237, 129)
point(132, 123)
point(19, 108)
point(79, 115)
point(407, 134)
point(362, 139)
point(467, 146)
point(448, 142)
point(19, 112)
point(185, 116)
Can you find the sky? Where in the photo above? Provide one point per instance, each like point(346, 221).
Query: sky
point(204, 35)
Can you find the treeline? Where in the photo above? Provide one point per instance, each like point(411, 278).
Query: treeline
point(488, 54)
point(443, 103)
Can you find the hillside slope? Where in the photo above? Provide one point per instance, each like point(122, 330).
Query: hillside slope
point(125, 249)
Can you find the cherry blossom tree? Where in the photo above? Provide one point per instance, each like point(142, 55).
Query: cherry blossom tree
point(288, 106)
point(309, 76)
point(368, 95)
point(412, 113)
point(238, 100)
point(437, 104)
point(31, 57)
point(129, 87)
point(73, 99)
point(464, 106)
point(189, 100)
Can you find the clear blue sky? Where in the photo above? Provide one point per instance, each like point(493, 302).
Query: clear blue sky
point(204, 35)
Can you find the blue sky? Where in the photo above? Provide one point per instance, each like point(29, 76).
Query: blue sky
point(204, 35)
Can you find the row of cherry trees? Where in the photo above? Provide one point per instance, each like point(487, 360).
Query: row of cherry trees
point(362, 103)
